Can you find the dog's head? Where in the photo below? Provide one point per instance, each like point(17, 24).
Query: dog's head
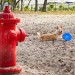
point(59, 30)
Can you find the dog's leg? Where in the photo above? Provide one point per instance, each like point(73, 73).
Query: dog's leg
point(53, 42)
point(64, 44)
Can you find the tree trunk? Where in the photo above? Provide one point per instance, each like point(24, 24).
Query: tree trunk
point(28, 3)
point(17, 2)
point(14, 3)
point(36, 5)
point(14, 6)
point(55, 6)
point(44, 6)
point(21, 5)
point(68, 6)
point(8, 2)
point(1, 4)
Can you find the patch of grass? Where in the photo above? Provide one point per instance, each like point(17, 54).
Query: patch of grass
point(62, 12)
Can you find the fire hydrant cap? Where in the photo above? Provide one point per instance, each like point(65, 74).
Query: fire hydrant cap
point(7, 17)
point(7, 10)
point(6, 14)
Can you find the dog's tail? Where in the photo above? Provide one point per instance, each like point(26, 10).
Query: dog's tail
point(38, 34)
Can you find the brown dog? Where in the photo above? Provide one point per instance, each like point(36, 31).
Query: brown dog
point(57, 35)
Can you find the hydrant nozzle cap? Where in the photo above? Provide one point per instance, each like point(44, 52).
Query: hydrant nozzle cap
point(6, 9)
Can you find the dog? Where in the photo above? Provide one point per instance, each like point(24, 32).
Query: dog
point(56, 35)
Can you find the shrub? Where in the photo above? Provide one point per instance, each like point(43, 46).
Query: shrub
point(70, 8)
point(32, 8)
point(51, 7)
point(65, 8)
point(18, 6)
point(61, 7)
point(40, 8)
point(26, 8)
point(73, 8)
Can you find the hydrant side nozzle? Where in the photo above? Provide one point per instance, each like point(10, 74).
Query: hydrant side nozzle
point(21, 35)
point(26, 35)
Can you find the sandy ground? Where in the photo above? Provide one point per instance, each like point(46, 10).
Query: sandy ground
point(44, 58)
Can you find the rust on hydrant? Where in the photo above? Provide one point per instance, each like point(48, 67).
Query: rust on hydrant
point(10, 35)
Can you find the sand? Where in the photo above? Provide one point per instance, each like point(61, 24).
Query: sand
point(44, 58)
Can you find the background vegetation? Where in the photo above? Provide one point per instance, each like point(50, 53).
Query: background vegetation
point(18, 5)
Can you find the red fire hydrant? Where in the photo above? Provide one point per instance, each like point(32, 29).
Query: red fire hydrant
point(9, 37)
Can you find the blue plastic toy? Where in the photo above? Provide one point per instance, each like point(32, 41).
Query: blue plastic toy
point(67, 36)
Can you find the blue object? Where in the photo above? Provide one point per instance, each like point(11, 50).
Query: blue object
point(67, 36)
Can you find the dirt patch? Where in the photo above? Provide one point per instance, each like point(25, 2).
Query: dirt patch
point(44, 58)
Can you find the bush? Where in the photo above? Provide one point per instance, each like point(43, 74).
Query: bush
point(18, 6)
point(65, 8)
point(61, 7)
point(40, 8)
point(26, 8)
point(32, 8)
point(70, 8)
point(51, 7)
point(73, 8)
point(56, 9)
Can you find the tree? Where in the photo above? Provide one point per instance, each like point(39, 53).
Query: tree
point(21, 5)
point(14, 2)
point(28, 3)
point(17, 2)
point(8, 2)
point(55, 5)
point(1, 4)
point(36, 5)
point(44, 6)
